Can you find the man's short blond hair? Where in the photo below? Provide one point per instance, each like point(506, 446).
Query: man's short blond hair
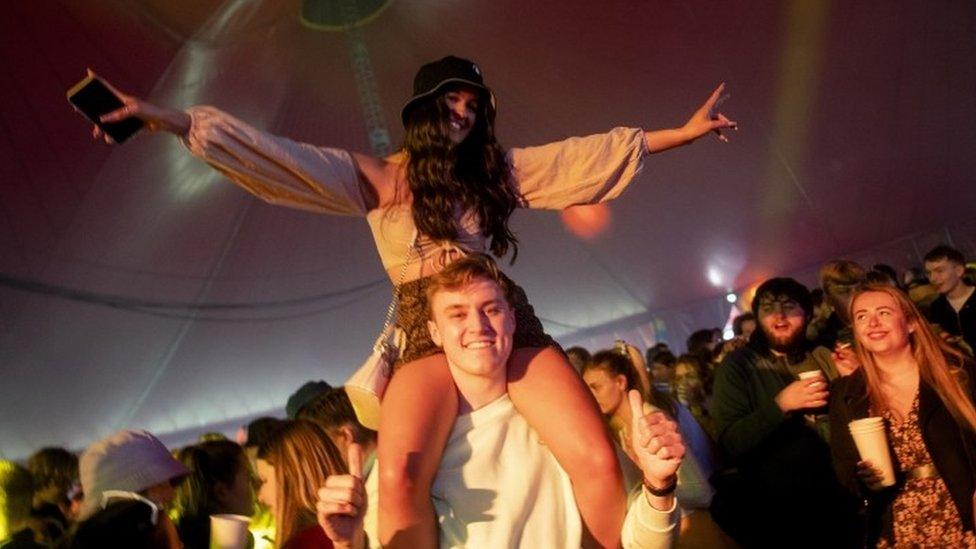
point(462, 272)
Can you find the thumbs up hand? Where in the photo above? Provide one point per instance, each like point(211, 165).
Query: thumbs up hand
point(655, 442)
point(342, 503)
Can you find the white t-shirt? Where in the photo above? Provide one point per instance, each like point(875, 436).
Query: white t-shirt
point(499, 486)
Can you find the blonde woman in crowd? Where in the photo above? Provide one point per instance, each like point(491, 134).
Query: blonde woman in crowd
point(924, 391)
point(292, 465)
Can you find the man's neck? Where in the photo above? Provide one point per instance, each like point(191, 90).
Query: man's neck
point(960, 292)
point(475, 392)
point(792, 351)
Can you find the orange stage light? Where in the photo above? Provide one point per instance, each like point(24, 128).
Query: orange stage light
point(587, 222)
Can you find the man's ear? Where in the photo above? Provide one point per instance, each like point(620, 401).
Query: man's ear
point(435, 334)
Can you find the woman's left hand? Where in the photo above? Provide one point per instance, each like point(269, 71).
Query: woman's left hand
point(870, 475)
point(705, 119)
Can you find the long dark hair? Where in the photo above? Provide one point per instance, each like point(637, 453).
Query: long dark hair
point(473, 175)
point(209, 462)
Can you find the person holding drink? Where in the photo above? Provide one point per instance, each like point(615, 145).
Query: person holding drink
point(918, 393)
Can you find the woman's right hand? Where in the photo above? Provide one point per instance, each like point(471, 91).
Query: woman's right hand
point(155, 117)
point(870, 475)
point(844, 360)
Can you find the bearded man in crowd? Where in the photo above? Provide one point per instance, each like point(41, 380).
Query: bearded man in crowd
point(772, 431)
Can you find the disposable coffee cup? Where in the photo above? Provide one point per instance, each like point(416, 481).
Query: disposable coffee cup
point(228, 531)
point(872, 445)
point(811, 375)
point(867, 428)
point(867, 424)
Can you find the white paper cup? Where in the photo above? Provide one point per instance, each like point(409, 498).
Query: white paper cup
point(872, 445)
point(810, 374)
point(228, 531)
point(867, 424)
point(867, 429)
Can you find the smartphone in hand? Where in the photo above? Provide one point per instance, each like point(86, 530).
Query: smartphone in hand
point(92, 98)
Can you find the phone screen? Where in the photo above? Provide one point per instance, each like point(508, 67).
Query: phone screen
point(93, 98)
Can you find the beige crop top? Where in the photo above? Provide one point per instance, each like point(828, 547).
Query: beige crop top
point(579, 170)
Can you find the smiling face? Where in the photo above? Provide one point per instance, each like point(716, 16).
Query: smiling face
point(462, 104)
point(686, 375)
point(475, 326)
point(783, 321)
point(880, 325)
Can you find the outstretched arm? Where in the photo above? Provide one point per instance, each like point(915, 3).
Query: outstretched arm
point(703, 121)
point(275, 169)
point(597, 168)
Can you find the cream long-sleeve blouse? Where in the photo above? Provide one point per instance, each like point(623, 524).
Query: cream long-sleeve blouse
point(579, 170)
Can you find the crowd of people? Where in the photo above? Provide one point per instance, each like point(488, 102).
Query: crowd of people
point(491, 434)
point(729, 444)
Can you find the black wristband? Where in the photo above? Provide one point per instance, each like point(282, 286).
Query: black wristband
point(661, 492)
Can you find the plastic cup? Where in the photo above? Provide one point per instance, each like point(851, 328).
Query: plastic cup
point(872, 445)
point(228, 531)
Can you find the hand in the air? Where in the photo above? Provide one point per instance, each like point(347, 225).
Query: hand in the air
point(705, 119)
point(655, 442)
point(155, 117)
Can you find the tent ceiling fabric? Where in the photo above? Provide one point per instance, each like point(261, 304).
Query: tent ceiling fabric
point(856, 129)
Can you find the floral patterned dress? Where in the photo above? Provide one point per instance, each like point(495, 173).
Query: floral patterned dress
point(924, 514)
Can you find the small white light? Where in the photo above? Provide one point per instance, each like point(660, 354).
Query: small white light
point(714, 276)
point(731, 298)
point(728, 334)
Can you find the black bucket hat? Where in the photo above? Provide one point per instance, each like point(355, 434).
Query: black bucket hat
point(432, 77)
